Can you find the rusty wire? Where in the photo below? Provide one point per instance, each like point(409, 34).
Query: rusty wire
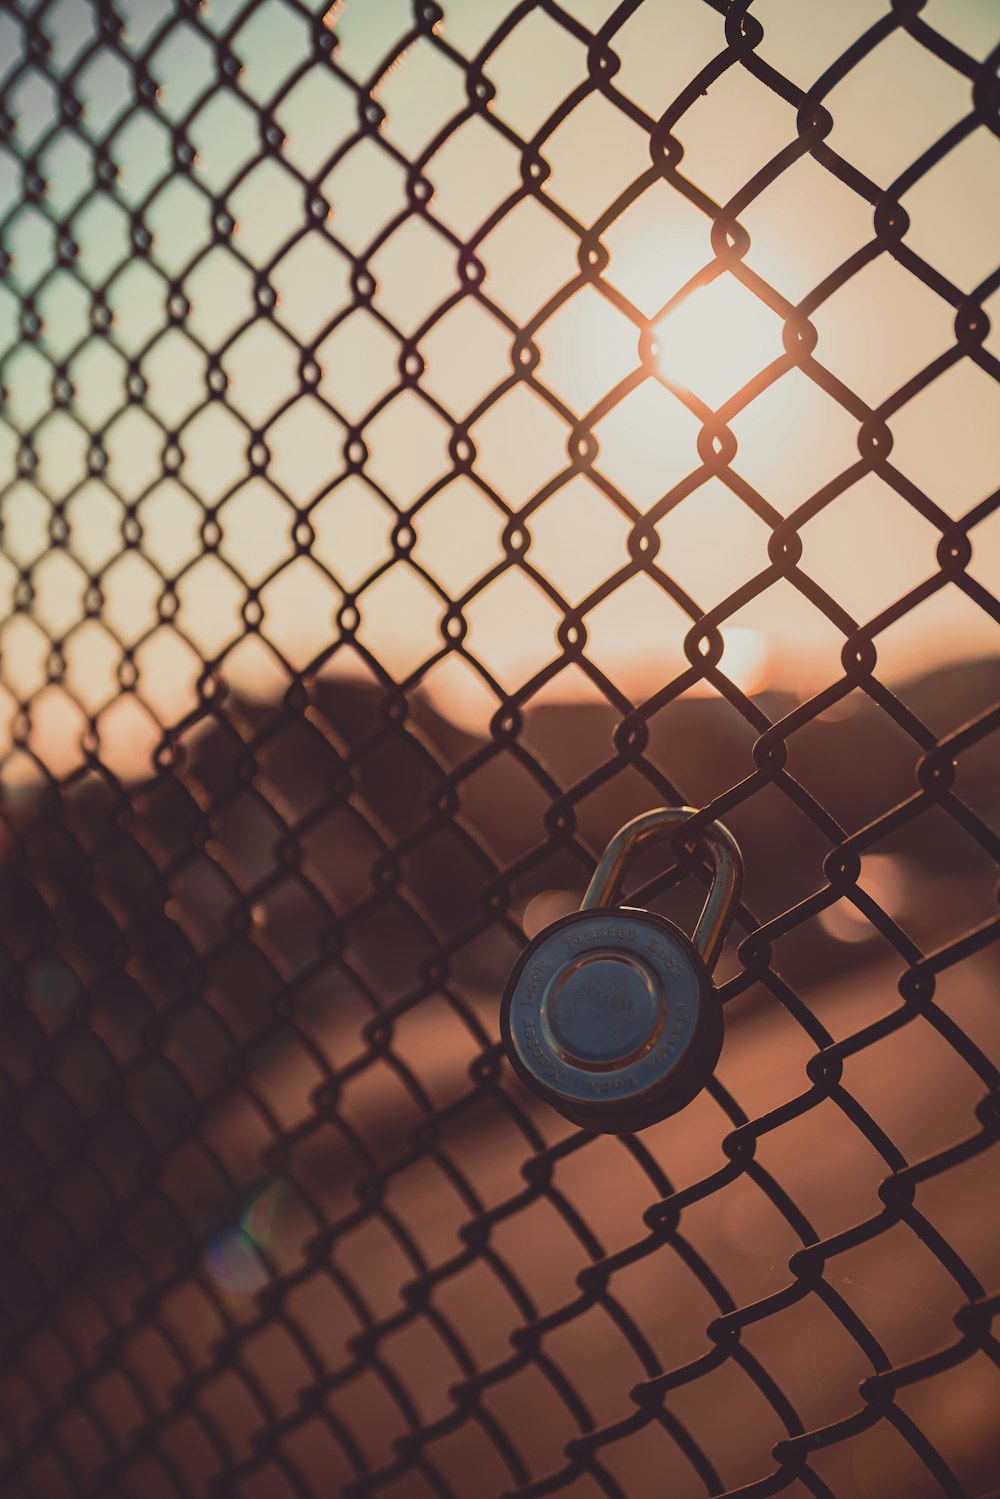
point(169, 1003)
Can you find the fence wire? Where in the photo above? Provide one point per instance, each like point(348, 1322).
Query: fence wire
point(279, 1220)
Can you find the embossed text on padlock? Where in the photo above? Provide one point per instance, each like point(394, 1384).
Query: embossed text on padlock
point(610, 1014)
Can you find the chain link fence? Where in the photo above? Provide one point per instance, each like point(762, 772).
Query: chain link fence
point(430, 437)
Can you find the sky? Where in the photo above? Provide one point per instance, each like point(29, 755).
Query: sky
point(666, 335)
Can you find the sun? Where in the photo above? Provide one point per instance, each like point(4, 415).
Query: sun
point(716, 340)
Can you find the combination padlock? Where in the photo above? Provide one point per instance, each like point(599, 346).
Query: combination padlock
point(610, 1013)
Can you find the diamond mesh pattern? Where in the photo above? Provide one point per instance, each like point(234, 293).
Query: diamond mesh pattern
point(297, 440)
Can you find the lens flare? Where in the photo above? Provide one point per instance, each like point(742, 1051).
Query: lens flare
point(233, 1258)
point(234, 1264)
point(260, 1215)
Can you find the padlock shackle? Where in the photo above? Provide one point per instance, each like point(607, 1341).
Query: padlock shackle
point(664, 825)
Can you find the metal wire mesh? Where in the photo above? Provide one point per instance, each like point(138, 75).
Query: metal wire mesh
point(279, 1220)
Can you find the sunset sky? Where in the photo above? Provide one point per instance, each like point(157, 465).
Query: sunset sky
point(711, 333)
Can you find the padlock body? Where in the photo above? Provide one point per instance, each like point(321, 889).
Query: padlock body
point(610, 1015)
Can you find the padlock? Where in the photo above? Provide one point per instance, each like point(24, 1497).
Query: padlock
point(610, 1013)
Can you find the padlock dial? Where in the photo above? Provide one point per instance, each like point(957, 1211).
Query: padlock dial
point(611, 1017)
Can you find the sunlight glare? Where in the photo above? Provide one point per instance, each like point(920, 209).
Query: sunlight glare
point(886, 878)
point(637, 658)
point(716, 340)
